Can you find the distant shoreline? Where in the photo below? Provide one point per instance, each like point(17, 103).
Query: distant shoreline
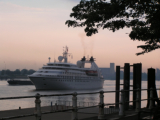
point(28, 78)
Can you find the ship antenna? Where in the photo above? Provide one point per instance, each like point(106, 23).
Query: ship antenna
point(49, 59)
point(65, 54)
point(54, 55)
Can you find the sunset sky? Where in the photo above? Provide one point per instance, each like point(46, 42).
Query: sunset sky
point(33, 30)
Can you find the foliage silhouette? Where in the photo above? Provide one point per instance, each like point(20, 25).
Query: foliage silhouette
point(142, 16)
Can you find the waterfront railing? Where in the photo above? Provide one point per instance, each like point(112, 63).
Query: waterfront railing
point(74, 105)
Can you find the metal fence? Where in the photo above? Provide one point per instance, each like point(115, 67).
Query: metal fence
point(74, 106)
point(79, 103)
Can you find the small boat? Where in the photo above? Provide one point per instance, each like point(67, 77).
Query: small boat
point(19, 82)
point(92, 73)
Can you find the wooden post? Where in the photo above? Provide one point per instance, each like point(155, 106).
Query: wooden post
point(159, 93)
point(137, 81)
point(51, 106)
point(151, 84)
point(117, 86)
point(56, 107)
point(122, 105)
point(134, 85)
point(74, 107)
point(101, 106)
point(38, 107)
point(126, 84)
point(138, 107)
point(152, 103)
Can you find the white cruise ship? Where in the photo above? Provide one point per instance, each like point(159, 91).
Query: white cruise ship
point(63, 75)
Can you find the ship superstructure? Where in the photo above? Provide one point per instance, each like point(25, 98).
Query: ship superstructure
point(63, 75)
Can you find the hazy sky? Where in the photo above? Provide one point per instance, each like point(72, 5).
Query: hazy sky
point(33, 30)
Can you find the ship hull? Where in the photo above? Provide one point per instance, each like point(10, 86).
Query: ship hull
point(49, 83)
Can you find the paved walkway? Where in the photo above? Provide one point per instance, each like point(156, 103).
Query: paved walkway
point(83, 114)
point(51, 116)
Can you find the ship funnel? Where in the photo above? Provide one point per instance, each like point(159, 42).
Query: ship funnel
point(92, 59)
point(83, 59)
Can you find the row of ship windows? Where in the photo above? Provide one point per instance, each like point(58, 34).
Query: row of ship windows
point(69, 73)
point(71, 77)
point(76, 77)
point(61, 68)
point(71, 81)
point(62, 65)
point(58, 65)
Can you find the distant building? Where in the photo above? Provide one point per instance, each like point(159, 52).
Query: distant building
point(108, 73)
point(157, 74)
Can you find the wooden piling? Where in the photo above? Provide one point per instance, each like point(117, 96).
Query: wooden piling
point(122, 105)
point(74, 107)
point(126, 85)
point(137, 81)
point(117, 86)
point(134, 85)
point(151, 84)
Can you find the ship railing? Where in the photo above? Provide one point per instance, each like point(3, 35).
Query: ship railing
point(79, 103)
point(102, 107)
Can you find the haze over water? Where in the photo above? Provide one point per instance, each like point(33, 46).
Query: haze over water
point(12, 91)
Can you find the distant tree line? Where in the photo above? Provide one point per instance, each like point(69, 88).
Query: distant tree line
point(17, 72)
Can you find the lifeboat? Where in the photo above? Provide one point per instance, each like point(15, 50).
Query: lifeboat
point(92, 73)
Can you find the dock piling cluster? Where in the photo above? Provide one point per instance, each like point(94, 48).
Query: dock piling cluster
point(137, 78)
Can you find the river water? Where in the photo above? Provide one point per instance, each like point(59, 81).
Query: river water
point(27, 90)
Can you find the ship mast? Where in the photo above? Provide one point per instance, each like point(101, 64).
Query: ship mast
point(65, 54)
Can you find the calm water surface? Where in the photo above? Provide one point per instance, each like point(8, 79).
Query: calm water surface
point(27, 90)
